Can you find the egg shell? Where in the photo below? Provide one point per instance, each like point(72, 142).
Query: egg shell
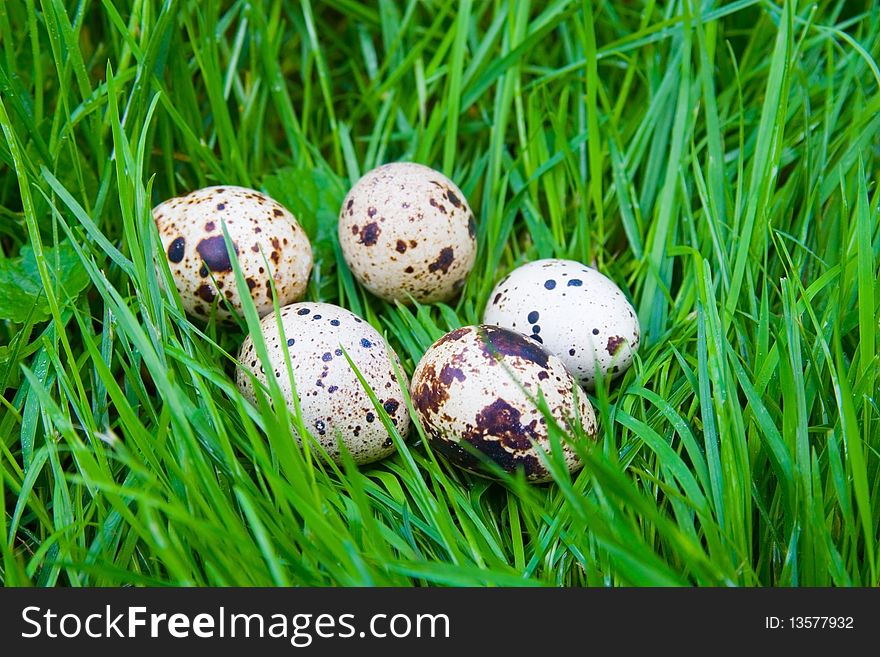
point(268, 240)
point(476, 385)
point(406, 229)
point(332, 400)
point(576, 312)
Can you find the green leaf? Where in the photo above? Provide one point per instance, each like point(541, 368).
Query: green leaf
point(21, 289)
point(313, 195)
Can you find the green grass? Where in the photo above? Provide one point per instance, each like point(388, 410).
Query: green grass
point(718, 160)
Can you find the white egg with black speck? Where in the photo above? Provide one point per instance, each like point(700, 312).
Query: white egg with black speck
point(473, 392)
point(269, 242)
point(407, 230)
point(577, 313)
point(333, 403)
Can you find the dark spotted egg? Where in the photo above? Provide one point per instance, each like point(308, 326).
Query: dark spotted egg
point(333, 403)
point(268, 241)
point(407, 230)
point(577, 313)
point(474, 389)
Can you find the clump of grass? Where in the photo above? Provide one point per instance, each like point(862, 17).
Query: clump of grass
point(718, 161)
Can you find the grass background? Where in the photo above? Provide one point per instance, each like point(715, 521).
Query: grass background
point(718, 160)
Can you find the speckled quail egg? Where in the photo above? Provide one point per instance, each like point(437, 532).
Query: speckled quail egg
point(269, 242)
point(406, 229)
point(577, 313)
point(332, 400)
point(476, 385)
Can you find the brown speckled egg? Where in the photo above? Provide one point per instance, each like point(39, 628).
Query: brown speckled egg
point(268, 240)
point(575, 311)
point(332, 400)
point(407, 230)
point(475, 385)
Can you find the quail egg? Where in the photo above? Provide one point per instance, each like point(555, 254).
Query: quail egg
point(407, 230)
point(577, 313)
point(333, 403)
point(268, 241)
point(476, 385)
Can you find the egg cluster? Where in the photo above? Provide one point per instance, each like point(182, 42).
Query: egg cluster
point(505, 394)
